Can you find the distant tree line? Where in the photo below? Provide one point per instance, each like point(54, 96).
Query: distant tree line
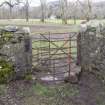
point(61, 9)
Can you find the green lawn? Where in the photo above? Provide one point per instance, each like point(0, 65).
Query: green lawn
point(35, 21)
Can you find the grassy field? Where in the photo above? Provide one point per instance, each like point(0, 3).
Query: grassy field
point(50, 25)
point(35, 21)
point(36, 26)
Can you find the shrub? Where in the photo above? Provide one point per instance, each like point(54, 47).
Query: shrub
point(6, 70)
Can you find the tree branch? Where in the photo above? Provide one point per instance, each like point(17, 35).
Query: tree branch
point(9, 4)
point(6, 2)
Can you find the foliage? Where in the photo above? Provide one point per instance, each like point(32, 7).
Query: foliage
point(6, 70)
point(4, 38)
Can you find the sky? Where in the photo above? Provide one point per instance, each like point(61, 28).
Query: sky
point(37, 2)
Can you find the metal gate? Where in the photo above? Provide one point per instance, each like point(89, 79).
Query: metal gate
point(54, 55)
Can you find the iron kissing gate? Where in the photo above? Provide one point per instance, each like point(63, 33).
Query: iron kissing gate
point(55, 55)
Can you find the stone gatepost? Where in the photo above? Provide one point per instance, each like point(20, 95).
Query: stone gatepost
point(19, 50)
point(24, 57)
point(93, 49)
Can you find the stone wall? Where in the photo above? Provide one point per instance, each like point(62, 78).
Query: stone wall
point(18, 50)
point(93, 49)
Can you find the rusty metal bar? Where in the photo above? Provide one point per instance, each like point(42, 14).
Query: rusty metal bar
point(53, 56)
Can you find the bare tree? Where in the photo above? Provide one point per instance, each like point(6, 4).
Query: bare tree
point(27, 10)
point(26, 5)
point(64, 9)
point(43, 9)
point(86, 8)
point(10, 4)
point(89, 9)
point(74, 11)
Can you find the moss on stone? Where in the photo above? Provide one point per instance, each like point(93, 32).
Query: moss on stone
point(6, 70)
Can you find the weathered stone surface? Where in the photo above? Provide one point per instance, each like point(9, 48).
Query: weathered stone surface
point(73, 76)
point(93, 49)
point(18, 50)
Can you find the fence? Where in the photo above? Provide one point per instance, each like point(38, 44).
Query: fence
point(55, 55)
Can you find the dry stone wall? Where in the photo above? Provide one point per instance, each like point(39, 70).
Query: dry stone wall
point(18, 50)
point(93, 49)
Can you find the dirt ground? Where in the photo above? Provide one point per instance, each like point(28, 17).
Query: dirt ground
point(90, 91)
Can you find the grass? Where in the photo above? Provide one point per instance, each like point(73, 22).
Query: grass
point(39, 94)
point(52, 95)
point(35, 21)
point(43, 90)
point(55, 22)
point(67, 90)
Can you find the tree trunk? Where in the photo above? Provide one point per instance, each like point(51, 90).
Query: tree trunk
point(63, 6)
point(27, 11)
point(43, 10)
point(89, 10)
point(42, 17)
point(10, 10)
